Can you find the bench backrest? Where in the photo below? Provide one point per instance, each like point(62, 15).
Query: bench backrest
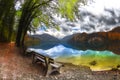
point(50, 60)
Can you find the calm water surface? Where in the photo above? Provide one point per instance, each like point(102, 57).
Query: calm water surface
point(96, 60)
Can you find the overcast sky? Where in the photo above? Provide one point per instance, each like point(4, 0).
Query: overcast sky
point(98, 5)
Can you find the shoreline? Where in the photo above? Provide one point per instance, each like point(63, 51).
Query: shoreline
point(15, 66)
point(73, 72)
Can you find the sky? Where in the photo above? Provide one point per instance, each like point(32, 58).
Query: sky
point(98, 5)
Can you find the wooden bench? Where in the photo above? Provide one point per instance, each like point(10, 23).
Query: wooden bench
point(55, 66)
point(28, 52)
point(38, 58)
point(49, 62)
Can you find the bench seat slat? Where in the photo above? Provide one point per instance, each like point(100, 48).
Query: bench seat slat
point(43, 60)
point(56, 65)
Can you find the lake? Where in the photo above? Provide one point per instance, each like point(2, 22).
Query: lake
point(96, 60)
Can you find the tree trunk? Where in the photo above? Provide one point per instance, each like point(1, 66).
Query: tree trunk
point(19, 36)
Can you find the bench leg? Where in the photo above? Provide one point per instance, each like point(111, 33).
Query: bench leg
point(46, 66)
point(33, 59)
point(45, 71)
point(54, 71)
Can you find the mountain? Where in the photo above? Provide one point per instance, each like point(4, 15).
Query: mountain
point(45, 38)
point(46, 41)
point(117, 29)
point(97, 41)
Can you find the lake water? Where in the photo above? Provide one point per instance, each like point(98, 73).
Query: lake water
point(96, 60)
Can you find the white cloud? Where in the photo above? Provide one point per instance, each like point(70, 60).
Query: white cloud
point(98, 6)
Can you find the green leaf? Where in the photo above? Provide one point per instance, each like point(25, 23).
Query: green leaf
point(36, 22)
point(57, 27)
point(18, 13)
point(67, 8)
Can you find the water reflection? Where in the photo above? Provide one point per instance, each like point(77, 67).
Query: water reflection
point(112, 46)
point(96, 60)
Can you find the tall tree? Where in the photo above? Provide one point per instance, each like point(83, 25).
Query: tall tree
point(7, 13)
point(30, 10)
point(42, 12)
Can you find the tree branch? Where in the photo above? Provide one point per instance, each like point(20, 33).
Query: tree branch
point(42, 4)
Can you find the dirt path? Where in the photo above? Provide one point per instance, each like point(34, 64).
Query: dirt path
point(14, 66)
